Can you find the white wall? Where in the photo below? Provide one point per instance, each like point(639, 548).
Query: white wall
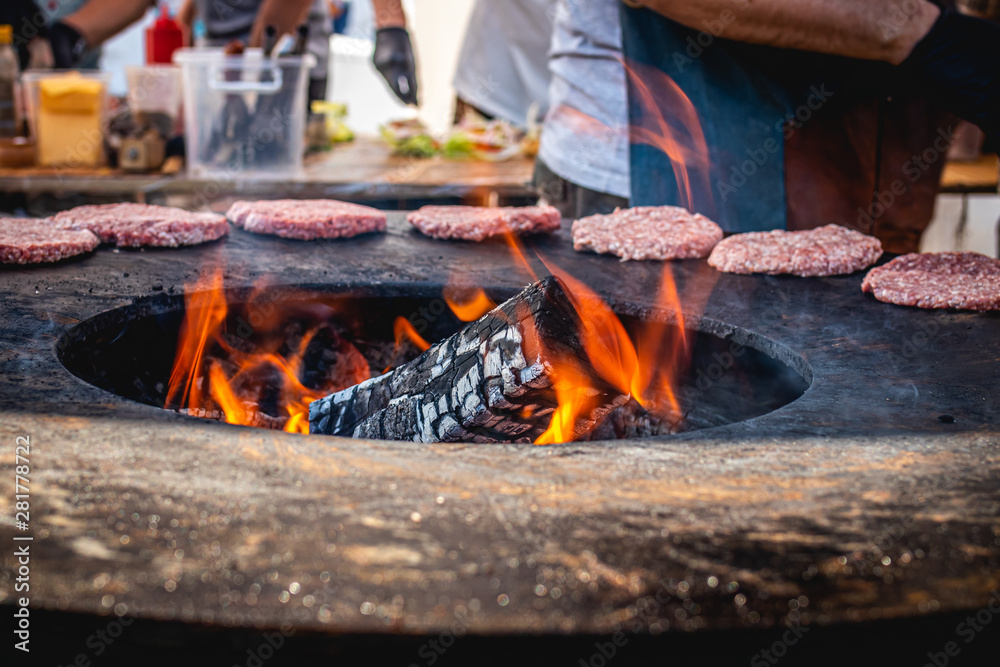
point(439, 26)
point(129, 48)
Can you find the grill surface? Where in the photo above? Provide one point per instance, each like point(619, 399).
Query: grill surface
point(892, 453)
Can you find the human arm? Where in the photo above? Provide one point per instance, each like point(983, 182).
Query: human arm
point(186, 15)
point(393, 56)
point(285, 15)
point(389, 14)
point(97, 21)
point(865, 29)
point(949, 58)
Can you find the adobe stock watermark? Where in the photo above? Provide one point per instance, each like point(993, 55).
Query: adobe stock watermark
point(101, 641)
point(433, 649)
point(648, 609)
point(713, 30)
point(270, 134)
point(967, 630)
point(725, 361)
point(91, 142)
point(922, 341)
point(22, 543)
point(272, 643)
point(605, 651)
point(913, 170)
point(901, 13)
point(486, 86)
point(780, 647)
point(757, 157)
point(881, 544)
point(32, 26)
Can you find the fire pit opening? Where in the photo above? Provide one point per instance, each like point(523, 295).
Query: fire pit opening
point(290, 346)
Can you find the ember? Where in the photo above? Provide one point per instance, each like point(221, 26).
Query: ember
point(267, 369)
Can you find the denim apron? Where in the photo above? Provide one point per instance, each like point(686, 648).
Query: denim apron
point(763, 110)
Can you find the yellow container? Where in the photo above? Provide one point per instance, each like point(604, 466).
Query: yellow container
point(66, 110)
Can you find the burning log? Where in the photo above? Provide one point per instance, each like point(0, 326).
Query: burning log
point(493, 381)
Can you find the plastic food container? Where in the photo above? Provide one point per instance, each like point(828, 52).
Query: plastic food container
point(155, 96)
point(244, 116)
point(66, 114)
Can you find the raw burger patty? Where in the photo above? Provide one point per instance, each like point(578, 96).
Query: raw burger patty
point(133, 225)
point(476, 223)
point(306, 219)
point(647, 232)
point(30, 241)
point(938, 280)
point(825, 251)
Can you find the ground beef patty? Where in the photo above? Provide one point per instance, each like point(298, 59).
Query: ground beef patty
point(938, 280)
point(476, 223)
point(825, 251)
point(647, 232)
point(133, 225)
point(31, 241)
point(306, 219)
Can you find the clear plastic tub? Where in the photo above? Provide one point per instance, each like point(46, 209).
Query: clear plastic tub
point(155, 96)
point(66, 112)
point(244, 116)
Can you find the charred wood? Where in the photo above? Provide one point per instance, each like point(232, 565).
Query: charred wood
point(493, 381)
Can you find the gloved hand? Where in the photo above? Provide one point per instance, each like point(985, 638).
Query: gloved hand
point(394, 60)
point(957, 65)
point(68, 45)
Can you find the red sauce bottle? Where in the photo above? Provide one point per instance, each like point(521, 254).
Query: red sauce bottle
point(163, 38)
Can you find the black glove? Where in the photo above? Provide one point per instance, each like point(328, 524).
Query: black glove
point(394, 60)
point(68, 45)
point(957, 65)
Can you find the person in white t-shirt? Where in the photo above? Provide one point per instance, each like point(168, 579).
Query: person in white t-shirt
point(503, 65)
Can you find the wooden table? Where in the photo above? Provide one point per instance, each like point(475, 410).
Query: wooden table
point(362, 170)
point(978, 175)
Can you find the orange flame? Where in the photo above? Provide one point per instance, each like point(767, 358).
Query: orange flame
point(680, 136)
point(205, 311)
point(516, 249)
point(468, 304)
point(224, 396)
point(603, 336)
point(659, 344)
point(404, 330)
point(199, 380)
point(647, 368)
point(575, 399)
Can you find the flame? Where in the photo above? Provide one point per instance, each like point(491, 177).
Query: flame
point(603, 336)
point(647, 368)
point(468, 304)
point(575, 399)
point(517, 250)
point(404, 331)
point(661, 346)
point(205, 311)
point(224, 396)
point(679, 135)
point(212, 373)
